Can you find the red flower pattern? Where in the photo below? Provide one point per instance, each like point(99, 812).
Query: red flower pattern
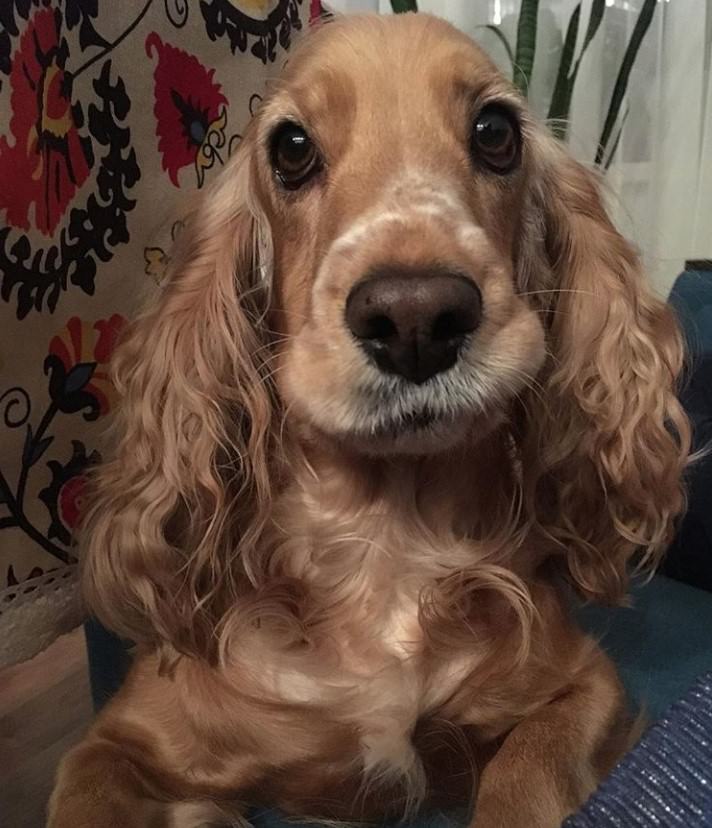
point(68, 136)
point(65, 494)
point(70, 501)
point(49, 159)
point(189, 109)
point(83, 343)
point(316, 10)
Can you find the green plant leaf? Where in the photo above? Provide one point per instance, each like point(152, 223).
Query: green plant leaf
point(400, 6)
point(502, 39)
point(566, 78)
point(526, 45)
point(561, 98)
point(642, 24)
point(598, 7)
point(617, 140)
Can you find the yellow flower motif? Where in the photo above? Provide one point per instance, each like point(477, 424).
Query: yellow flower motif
point(255, 8)
point(156, 260)
point(156, 263)
point(214, 140)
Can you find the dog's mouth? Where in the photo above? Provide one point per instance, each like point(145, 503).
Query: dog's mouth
point(384, 414)
point(391, 415)
point(410, 423)
point(415, 431)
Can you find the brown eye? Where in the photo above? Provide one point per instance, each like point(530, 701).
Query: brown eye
point(496, 139)
point(294, 156)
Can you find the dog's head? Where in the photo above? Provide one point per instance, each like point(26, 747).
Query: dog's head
point(398, 260)
point(393, 164)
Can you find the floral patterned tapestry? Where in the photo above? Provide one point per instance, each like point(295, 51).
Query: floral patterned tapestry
point(109, 113)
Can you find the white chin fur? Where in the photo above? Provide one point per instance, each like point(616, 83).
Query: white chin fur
point(429, 439)
point(380, 416)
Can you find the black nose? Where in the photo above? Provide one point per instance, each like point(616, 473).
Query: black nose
point(413, 323)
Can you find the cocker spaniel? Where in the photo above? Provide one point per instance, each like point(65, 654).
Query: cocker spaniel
point(404, 393)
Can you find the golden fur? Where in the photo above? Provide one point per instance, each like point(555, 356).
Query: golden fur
point(336, 613)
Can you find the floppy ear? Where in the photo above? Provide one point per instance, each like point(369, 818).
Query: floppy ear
point(609, 443)
point(177, 511)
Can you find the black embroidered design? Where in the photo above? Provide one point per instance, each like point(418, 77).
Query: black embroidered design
point(224, 17)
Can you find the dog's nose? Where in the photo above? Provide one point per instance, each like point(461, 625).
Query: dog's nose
point(413, 324)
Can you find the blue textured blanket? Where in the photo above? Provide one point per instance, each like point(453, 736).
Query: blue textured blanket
point(666, 780)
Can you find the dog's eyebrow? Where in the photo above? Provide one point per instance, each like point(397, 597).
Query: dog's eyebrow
point(326, 99)
point(479, 91)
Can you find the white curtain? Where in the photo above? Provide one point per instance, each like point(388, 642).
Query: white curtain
point(660, 181)
point(350, 6)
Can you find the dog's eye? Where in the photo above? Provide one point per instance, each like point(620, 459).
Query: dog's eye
point(496, 139)
point(294, 157)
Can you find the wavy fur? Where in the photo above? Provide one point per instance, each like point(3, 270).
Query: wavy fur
point(322, 591)
point(179, 510)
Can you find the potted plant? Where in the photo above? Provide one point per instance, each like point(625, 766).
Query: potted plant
point(523, 55)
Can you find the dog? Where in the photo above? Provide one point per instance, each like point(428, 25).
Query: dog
point(404, 395)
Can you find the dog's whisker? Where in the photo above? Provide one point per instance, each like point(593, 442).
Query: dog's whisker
point(559, 290)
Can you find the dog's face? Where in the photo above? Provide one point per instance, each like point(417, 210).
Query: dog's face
point(392, 164)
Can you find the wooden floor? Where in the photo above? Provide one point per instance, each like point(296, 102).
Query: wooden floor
point(45, 707)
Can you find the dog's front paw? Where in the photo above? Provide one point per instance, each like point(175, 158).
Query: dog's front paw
point(494, 809)
point(81, 813)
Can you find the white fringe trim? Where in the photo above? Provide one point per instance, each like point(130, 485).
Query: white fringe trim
point(36, 611)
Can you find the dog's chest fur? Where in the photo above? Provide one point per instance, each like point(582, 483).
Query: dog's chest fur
point(368, 661)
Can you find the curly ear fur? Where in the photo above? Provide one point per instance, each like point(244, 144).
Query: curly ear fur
point(190, 479)
point(607, 448)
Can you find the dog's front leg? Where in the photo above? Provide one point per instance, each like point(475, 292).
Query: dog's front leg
point(551, 761)
point(99, 785)
point(160, 755)
point(102, 785)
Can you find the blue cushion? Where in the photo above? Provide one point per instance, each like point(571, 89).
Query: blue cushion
point(109, 661)
point(661, 644)
point(691, 297)
point(689, 558)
